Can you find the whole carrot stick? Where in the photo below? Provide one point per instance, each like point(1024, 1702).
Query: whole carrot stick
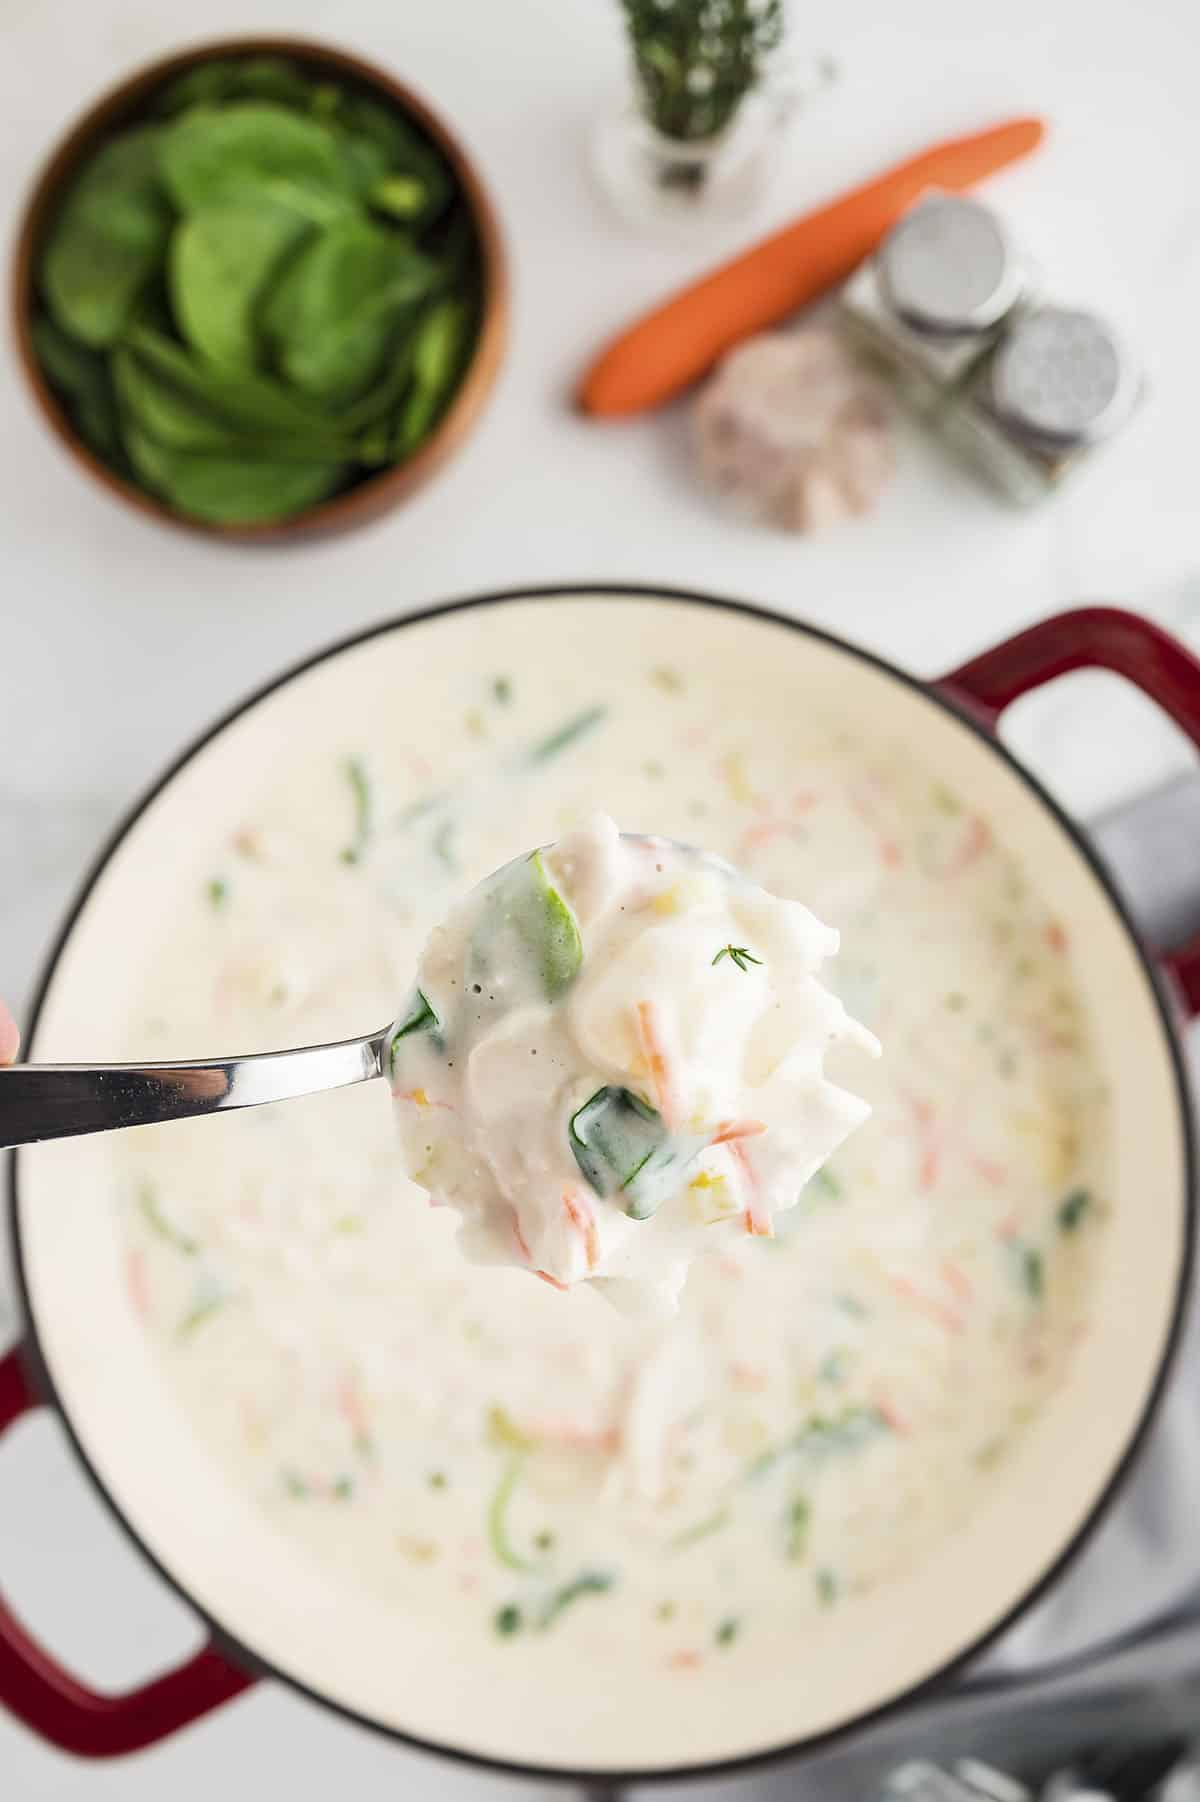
point(668, 348)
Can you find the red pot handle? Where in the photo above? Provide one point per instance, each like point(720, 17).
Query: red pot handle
point(1091, 638)
point(60, 1708)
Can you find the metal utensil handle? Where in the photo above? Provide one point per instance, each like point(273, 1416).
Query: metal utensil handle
point(1092, 638)
point(60, 1101)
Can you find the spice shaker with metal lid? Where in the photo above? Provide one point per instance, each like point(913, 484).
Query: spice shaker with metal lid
point(931, 300)
point(1022, 389)
point(1059, 383)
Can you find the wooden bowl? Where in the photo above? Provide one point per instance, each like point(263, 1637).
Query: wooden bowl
point(374, 494)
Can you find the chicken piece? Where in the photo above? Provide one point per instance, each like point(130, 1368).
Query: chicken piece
point(794, 431)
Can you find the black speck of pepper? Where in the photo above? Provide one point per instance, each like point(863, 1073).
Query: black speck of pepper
point(477, 988)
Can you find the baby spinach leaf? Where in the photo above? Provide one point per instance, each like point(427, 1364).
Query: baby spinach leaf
point(439, 346)
point(220, 260)
point(202, 85)
point(254, 152)
point(406, 149)
point(227, 78)
point(360, 792)
point(229, 490)
point(551, 929)
point(527, 923)
point(612, 1136)
point(272, 78)
point(372, 410)
point(331, 316)
point(1073, 1209)
point(364, 162)
point(254, 404)
point(402, 196)
point(587, 1583)
point(567, 734)
point(150, 461)
point(622, 1147)
point(81, 377)
point(418, 1017)
point(108, 239)
point(178, 421)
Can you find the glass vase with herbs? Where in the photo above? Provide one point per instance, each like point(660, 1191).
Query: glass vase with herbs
point(694, 143)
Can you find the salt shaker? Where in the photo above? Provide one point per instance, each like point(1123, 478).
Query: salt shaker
point(1021, 388)
point(931, 300)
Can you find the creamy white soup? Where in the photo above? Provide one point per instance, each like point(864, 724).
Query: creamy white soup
point(603, 1079)
point(830, 1402)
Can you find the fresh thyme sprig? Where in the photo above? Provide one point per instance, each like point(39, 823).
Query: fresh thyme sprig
point(696, 60)
point(738, 954)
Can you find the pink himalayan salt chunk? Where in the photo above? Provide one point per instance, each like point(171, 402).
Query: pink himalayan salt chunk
point(794, 431)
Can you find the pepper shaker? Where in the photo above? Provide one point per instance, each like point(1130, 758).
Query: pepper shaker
point(931, 300)
point(1058, 384)
point(1020, 388)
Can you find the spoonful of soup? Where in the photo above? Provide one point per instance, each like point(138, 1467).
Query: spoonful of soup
point(614, 1057)
point(613, 1054)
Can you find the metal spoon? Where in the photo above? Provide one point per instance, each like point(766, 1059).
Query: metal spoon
point(62, 1101)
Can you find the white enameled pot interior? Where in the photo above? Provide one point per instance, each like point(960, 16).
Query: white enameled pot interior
point(424, 1681)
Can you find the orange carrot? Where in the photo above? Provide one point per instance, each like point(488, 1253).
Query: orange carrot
point(674, 345)
point(738, 1129)
point(553, 1281)
point(651, 1043)
point(519, 1239)
point(927, 1304)
point(755, 1218)
point(579, 1213)
point(957, 1279)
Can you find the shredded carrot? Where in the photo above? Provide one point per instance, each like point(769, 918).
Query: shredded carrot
point(685, 1661)
point(748, 1376)
point(989, 1169)
point(568, 1433)
point(136, 1283)
point(763, 834)
point(419, 1098)
point(650, 1040)
point(351, 1404)
point(519, 1239)
point(1056, 936)
point(545, 1277)
point(891, 853)
point(940, 1311)
point(755, 1218)
point(728, 1130)
point(580, 1213)
point(976, 840)
point(957, 1279)
point(886, 1408)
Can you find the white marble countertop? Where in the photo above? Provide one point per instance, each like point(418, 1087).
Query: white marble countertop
point(119, 640)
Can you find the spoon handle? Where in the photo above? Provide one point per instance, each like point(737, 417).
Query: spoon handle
point(59, 1101)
